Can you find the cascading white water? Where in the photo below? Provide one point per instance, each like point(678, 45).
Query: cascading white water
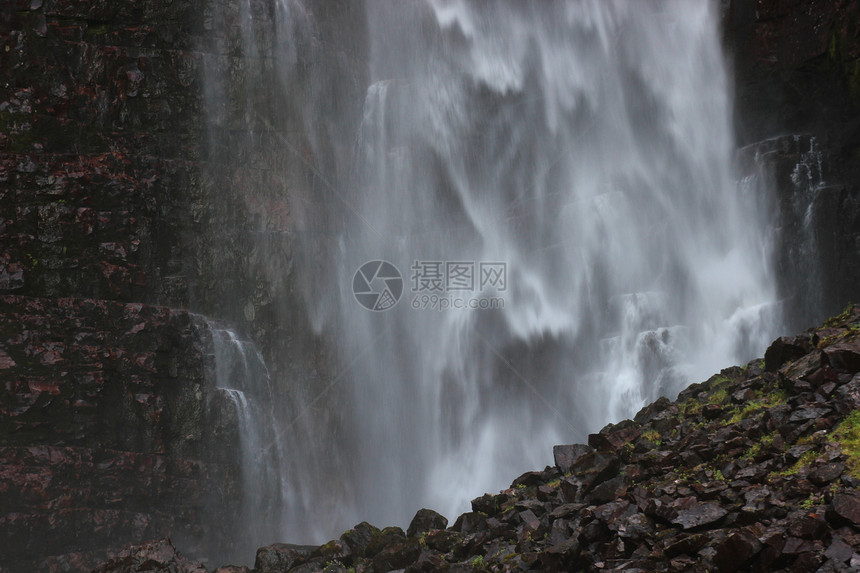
point(794, 165)
point(586, 146)
point(240, 373)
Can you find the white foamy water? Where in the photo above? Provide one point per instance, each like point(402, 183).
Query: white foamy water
point(586, 146)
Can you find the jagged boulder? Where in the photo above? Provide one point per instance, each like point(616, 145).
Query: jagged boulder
point(426, 520)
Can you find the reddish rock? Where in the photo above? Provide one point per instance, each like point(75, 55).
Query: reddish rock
point(614, 436)
point(847, 507)
point(685, 545)
point(360, 537)
point(443, 540)
point(528, 479)
point(426, 520)
point(397, 556)
point(785, 349)
point(567, 455)
point(839, 551)
point(652, 411)
point(692, 515)
point(595, 467)
point(712, 411)
point(844, 356)
point(394, 536)
point(736, 550)
point(810, 526)
point(280, 557)
point(823, 475)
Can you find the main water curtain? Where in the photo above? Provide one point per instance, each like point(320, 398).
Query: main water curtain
point(587, 146)
point(584, 145)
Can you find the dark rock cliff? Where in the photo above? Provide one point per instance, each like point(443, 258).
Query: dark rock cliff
point(104, 419)
point(100, 142)
point(797, 79)
point(112, 214)
point(106, 434)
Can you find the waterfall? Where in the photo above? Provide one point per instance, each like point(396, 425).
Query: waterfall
point(238, 372)
point(795, 165)
point(547, 194)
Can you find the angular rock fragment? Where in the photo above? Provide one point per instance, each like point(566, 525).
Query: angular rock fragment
point(685, 545)
point(785, 349)
point(280, 557)
point(736, 550)
point(697, 514)
point(159, 555)
point(397, 556)
point(844, 356)
point(359, 538)
point(595, 467)
point(567, 455)
point(829, 472)
point(847, 507)
point(426, 520)
point(614, 436)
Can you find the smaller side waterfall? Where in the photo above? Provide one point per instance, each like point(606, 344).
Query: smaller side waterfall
point(790, 171)
point(807, 179)
point(239, 375)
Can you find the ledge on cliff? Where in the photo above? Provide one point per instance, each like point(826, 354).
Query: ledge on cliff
point(755, 469)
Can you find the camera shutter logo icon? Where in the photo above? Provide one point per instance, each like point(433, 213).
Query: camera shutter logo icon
point(377, 285)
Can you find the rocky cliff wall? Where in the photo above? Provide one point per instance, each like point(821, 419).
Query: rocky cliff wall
point(100, 146)
point(797, 78)
point(126, 190)
point(105, 433)
point(105, 413)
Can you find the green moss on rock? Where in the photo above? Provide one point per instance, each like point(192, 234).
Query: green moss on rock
point(847, 435)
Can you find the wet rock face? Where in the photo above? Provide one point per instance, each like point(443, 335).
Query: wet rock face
point(837, 227)
point(98, 373)
point(796, 66)
point(99, 145)
point(109, 191)
point(102, 404)
point(102, 432)
point(758, 471)
point(797, 71)
point(815, 216)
